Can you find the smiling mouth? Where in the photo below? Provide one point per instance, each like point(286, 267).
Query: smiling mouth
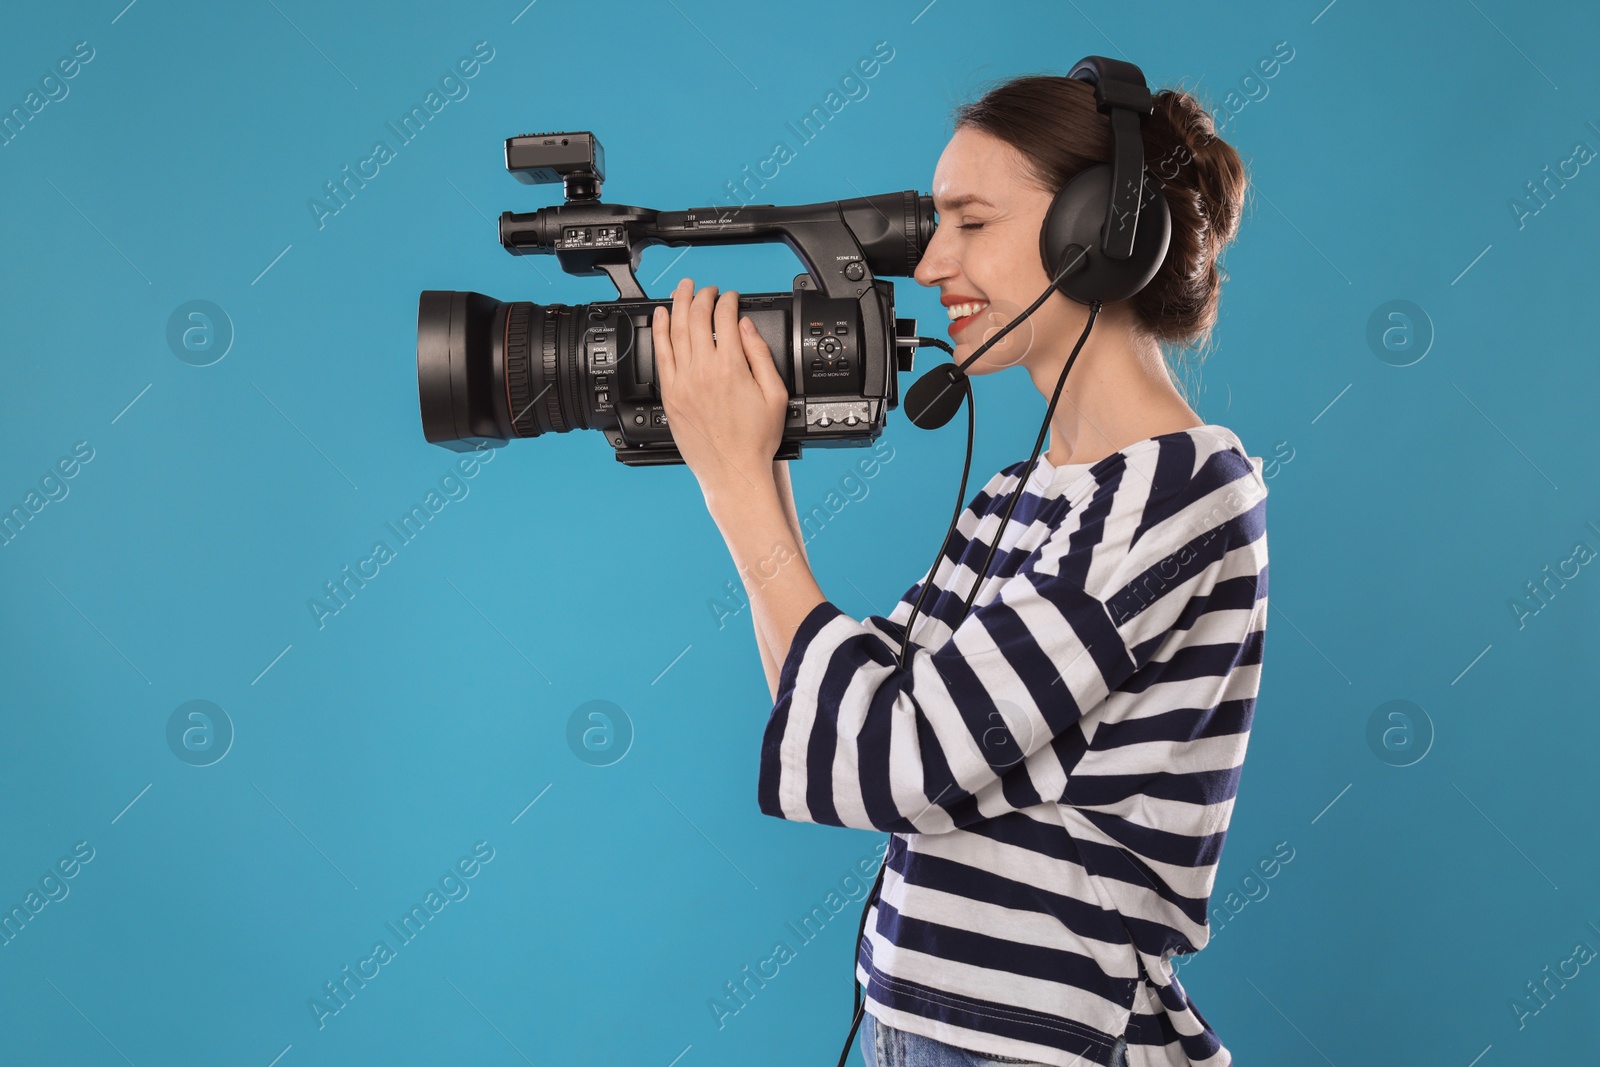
point(957, 325)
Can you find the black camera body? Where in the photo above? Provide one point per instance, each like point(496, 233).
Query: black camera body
point(489, 371)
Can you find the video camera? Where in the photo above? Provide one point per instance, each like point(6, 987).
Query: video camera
point(490, 370)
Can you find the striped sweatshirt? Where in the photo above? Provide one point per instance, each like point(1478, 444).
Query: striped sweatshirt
point(1057, 773)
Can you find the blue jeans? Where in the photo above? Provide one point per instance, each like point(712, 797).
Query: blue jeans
point(884, 1046)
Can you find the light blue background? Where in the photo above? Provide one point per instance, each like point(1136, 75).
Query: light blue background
point(431, 712)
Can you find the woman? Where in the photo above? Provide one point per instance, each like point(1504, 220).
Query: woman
point(1057, 768)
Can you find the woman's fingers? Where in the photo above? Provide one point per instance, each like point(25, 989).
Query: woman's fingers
point(726, 315)
point(700, 321)
point(695, 320)
point(666, 372)
point(682, 351)
point(761, 364)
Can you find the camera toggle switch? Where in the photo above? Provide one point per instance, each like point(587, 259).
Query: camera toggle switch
point(598, 341)
point(591, 237)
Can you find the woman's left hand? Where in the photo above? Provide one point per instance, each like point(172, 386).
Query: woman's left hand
point(724, 399)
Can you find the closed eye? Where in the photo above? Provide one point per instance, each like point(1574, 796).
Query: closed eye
point(971, 226)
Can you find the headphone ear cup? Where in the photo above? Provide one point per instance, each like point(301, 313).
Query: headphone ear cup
point(1076, 217)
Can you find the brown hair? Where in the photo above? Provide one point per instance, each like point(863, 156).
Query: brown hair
point(1052, 121)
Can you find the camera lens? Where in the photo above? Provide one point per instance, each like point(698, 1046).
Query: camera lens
point(490, 370)
point(460, 348)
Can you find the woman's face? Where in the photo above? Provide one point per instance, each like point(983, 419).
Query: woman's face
point(988, 252)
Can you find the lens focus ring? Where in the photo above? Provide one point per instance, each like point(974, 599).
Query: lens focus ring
point(519, 382)
point(552, 390)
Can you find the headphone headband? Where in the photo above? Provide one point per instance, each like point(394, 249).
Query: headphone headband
point(1120, 92)
point(1116, 83)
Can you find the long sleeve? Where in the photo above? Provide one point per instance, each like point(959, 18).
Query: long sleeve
point(979, 720)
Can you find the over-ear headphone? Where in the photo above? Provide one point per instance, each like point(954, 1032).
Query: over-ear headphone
point(1103, 238)
point(1122, 224)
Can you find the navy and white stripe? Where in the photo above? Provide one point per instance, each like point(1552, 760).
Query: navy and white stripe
point(1059, 770)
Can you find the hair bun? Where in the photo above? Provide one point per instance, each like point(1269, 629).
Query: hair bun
point(1205, 162)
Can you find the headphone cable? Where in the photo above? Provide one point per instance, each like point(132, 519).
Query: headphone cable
point(1094, 311)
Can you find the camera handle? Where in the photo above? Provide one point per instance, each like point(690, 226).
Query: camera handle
point(843, 243)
